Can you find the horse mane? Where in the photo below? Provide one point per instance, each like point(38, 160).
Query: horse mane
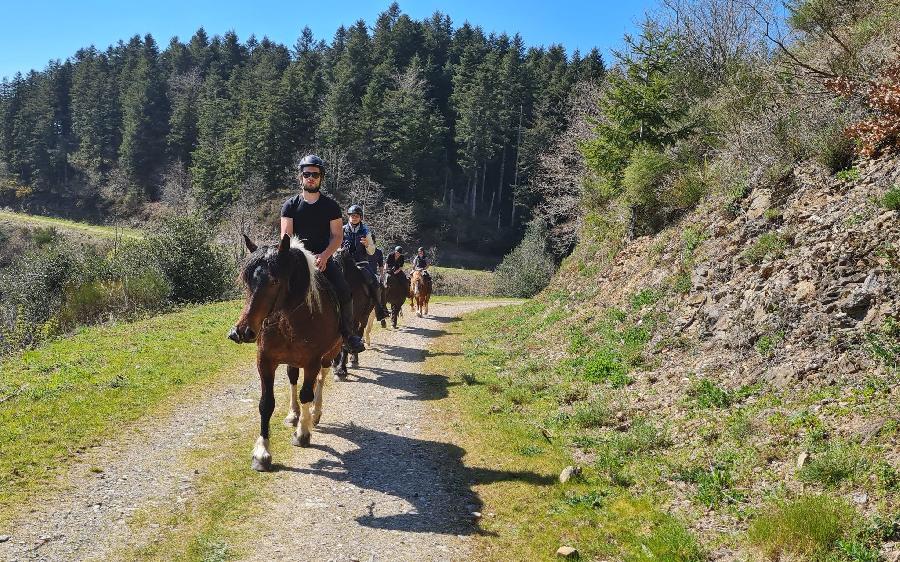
point(302, 264)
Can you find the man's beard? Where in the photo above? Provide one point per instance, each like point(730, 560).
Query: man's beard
point(309, 189)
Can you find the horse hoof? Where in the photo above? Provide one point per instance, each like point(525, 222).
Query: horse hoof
point(316, 418)
point(291, 420)
point(261, 465)
point(304, 440)
point(354, 364)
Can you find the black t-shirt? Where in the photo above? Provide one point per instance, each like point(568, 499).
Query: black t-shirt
point(312, 221)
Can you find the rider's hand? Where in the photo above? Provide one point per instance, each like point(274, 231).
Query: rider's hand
point(321, 262)
point(365, 241)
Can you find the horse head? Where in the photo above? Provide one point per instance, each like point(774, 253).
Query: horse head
point(270, 275)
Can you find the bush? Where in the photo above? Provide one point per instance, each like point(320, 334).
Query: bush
point(528, 268)
point(833, 149)
point(643, 176)
point(891, 199)
point(197, 271)
point(833, 465)
point(770, 245)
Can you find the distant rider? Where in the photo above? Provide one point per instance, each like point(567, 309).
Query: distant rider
point(420, 262)
point(358, 240)
point(395, 261)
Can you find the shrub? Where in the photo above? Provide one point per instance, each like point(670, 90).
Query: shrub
point(643, 176)
point(808, 527)
point(42, 236)
point(708, 394)
point(850, 174)
point(593, 413)
point(891, 199)
point(688, 189)
point(833, 149)
point(529, 267)
point(836, 463)
point(770, 245)
point(197, 271)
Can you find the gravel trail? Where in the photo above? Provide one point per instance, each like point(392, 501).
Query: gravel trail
point(381, 481)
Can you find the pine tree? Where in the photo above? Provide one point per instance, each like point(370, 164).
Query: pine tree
point(145, 110)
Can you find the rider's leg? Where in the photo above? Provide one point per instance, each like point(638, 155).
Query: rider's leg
point(374, 290)
point(345, 299)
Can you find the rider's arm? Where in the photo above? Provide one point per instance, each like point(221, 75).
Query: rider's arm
point(369, 244)
point(337, 238)
point(287, 226)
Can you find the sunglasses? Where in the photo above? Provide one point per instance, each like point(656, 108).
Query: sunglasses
point(314, 175)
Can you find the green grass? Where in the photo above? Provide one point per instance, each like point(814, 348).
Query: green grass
point(599, 517)
point(770, 245)
point(462, 282)
point(70, 226)
point(73, 393)
point(891, 199)
point(809, 527)
point(835, 463)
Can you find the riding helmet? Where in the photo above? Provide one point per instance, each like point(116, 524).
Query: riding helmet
point(355, 210)
point(311, 160)
point(399, 249)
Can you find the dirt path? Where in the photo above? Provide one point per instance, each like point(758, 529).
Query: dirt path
point(382, 481)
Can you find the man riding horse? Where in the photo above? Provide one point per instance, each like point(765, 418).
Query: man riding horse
point(316, 219)
point(395, 261)
point(359, 241)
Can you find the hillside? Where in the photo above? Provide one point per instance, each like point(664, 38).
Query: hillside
point(730, 384)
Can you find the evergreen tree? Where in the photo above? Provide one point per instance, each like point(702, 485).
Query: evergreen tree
point(144, 119)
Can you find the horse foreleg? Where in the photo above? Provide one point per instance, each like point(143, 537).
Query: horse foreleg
point(317, 402)
point(303, 433)
point(262, 459)
point(368, 331)
point(293, 415)
point(340, 366)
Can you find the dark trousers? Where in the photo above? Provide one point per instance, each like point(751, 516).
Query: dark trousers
point(345, 299)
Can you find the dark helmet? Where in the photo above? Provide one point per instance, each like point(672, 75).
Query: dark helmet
point(355, 210)
point(311, 160)
point(399, 249)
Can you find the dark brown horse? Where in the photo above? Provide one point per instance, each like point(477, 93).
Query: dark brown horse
point(419, 292)
point(362, 307)
point(395, 293)
point(294, 321)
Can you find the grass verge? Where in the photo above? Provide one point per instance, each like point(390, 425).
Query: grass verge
point(79, 227)
point(504, 429)
point(73, 393)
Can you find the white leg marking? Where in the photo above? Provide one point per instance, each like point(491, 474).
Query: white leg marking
point(317, 402)
point(304, 428)
point(294, 409)
point(262, 459)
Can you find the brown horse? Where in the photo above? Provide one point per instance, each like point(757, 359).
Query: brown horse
point(395, 293)
point(419, 292)
point(362, 307)
point(294, 321)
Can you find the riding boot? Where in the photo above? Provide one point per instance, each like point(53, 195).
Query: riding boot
point(352, 342)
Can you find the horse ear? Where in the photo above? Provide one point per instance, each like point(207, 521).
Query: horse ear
point(285, 244)
point(249, 243)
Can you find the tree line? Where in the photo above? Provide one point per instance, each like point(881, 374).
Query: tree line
point(446, 117)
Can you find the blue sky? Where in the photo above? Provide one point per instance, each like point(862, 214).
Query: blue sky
point(33, 32)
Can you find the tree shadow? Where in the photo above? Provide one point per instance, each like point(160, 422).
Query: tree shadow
point(405, 354)
point(446, 319)
point(432, 486)
point(424, 332)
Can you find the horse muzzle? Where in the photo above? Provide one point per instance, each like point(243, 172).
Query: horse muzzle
point(241, 336)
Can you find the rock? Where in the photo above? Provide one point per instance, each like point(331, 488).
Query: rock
point(860, 498)
point(805, 290)
point(801, 459)
point(476, 514)
point(566, 552)
point(4, 538)
point(568, 472)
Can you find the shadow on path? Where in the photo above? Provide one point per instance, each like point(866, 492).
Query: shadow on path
point(428, 476)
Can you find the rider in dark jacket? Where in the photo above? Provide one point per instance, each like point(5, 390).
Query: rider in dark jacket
point(395, 261)
point(359, 241)
point(420, 261)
